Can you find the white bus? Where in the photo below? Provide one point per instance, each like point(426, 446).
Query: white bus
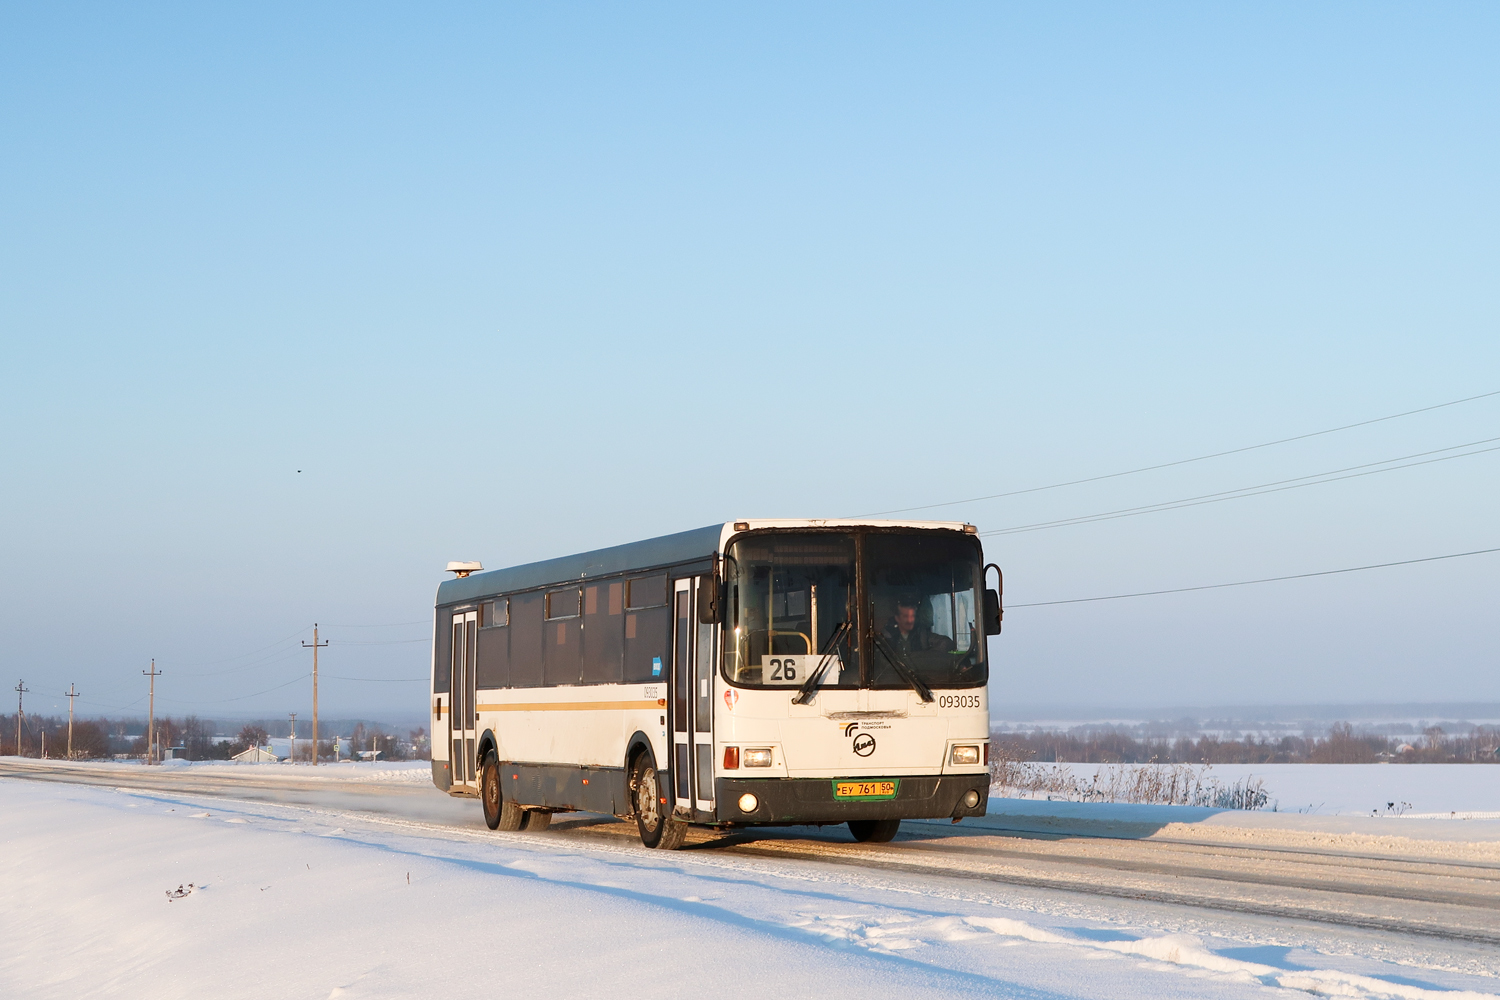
point(750, 673)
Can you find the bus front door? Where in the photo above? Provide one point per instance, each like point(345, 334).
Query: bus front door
point(461, 714)
point(692, 702)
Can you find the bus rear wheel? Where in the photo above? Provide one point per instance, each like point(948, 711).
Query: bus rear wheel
point(500, 813)
point(537, 820)
point(657, 829)
point(874, 831)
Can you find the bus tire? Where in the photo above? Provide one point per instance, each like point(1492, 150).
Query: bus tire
point(500, 813)
point(657, 829)
point(537, 820)
point(874, 831)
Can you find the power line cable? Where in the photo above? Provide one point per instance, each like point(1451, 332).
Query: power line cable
point(424, 621)
point(382, 642)
point(1186, 461)
point(1247, 583)
point(221, 701)
point(1317, 479)
point(276, 657)
point(289, 651)
point(252, 652)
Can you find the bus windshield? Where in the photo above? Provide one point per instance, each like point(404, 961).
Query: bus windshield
point(923, 599)
point(790, 604)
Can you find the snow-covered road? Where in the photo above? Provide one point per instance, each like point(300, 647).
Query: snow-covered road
point(311, 898)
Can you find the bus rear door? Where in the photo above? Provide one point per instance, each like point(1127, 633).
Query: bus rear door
point(461, 714)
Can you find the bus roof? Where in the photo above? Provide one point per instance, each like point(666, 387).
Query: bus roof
point(651, 553)
point(684, 546)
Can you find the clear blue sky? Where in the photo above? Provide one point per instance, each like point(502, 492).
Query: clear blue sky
point(506, 282)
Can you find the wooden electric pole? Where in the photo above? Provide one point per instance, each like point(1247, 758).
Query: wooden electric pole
point(21, 691)
point(314, 645)
point(71, 693)
point(153, 673)
point(291, 753)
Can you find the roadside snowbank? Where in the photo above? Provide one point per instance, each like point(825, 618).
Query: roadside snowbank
point(1420, 810)
point(404, 771)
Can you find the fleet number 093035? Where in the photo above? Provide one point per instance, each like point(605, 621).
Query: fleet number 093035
point(958, 701)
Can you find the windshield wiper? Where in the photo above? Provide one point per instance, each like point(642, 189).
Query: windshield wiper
point(894, 658)
point(805, 692)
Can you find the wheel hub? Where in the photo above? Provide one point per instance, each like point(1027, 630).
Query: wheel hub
point(646, 796)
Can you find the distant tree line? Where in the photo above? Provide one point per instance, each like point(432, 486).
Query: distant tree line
point(1342, 745)
point(102, 737)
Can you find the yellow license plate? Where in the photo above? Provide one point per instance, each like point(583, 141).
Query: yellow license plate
point(865, 789)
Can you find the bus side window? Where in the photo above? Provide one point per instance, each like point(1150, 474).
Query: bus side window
point(442, 663)
point(526, 622)
point(603, 634)
point(563, 638)
point(492, 658)
point(648, 637)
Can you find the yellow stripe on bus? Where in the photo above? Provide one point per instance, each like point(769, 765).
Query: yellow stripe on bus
point(568, 706)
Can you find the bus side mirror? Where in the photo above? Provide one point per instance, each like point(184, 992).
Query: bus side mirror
point(992, 613)
point(708, 600)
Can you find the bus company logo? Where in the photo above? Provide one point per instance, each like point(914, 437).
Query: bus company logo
point(730, 697)
point(863, 745)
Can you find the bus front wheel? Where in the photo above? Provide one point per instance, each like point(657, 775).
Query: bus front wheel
point(500, 813)
point(874, 831)
point(658, 830)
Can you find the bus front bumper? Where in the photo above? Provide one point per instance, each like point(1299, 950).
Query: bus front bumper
point(817, 800)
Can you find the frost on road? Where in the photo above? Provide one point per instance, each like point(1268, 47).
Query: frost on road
point(130, 892)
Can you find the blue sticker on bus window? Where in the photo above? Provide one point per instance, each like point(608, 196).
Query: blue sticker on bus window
point(656, 666)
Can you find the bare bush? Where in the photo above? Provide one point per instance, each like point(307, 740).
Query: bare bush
point(1343, 745)
point(1147, 784)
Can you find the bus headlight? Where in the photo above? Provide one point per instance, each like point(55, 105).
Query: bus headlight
point(749, 803)
point(971, 799)
point(758, 758)
point(963, 755)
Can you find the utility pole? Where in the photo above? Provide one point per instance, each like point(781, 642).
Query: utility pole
point(314, 645)
point(71, 693)
point(291, 753)
point(153, 673)
point(21, 691)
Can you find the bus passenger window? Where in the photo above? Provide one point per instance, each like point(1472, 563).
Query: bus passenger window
point(647, 592)
point(603, 636)
point(562, 604)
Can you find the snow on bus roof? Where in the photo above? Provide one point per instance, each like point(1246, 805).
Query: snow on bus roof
point(650, 553)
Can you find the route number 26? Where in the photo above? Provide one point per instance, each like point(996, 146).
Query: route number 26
point(783, 670)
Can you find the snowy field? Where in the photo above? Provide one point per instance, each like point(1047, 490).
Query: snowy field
point(295, 901)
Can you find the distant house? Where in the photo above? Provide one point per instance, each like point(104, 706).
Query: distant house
point(257, 755)
point(281, 746)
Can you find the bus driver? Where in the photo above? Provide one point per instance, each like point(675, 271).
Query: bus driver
point(906, 636)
